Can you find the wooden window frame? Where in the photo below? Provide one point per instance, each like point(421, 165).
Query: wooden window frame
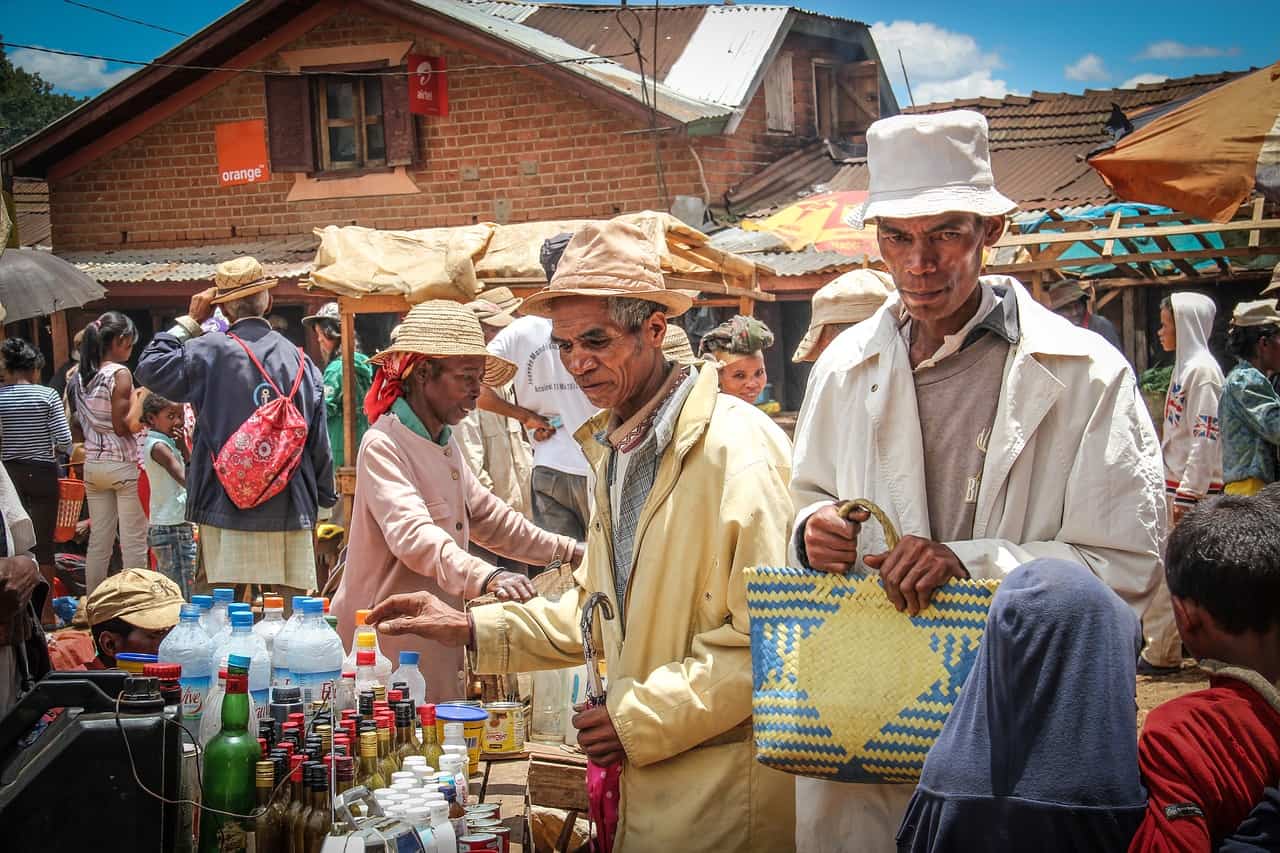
point(832, 95)
point(326, 168)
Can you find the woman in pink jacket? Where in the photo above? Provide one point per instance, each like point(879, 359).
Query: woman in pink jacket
point(417, 504)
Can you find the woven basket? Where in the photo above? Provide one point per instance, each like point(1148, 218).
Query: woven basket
point(845, 687)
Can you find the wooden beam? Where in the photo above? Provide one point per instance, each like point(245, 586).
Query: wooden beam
point(1041, 239)
point(1128, 324)
point(713, 259)
point(1256, 236)
point(349, 402)
point(1114, 225)
point(1190, 255)
point(373, 304)
point(61, 341)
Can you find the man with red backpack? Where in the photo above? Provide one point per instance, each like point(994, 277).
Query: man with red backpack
point(261, 464)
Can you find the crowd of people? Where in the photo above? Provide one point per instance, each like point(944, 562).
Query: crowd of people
point(1005, 438)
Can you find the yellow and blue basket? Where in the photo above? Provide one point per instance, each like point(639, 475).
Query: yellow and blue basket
point(847, 688)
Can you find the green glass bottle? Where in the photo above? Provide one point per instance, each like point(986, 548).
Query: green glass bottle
point(408, 742)
point(319, 821)
point(229, 764)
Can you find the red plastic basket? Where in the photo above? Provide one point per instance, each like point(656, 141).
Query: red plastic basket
point(70, 503)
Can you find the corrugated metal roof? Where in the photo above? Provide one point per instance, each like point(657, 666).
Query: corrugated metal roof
point(730, 43)
point(554, 49)
point(517, 12)
point(284, 257)
point(605, 32)
point(771, 253)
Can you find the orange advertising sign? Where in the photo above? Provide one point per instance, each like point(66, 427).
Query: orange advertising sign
point(242, 152)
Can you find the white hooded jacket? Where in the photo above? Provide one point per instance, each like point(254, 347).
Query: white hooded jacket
point(1192, 446)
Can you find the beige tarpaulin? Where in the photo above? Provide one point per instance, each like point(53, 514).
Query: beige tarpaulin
point(432, 263)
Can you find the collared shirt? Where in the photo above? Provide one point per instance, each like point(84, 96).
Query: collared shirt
point(409, 418)
point(997, 313)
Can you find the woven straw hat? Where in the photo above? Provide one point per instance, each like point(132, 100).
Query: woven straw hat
point(442, 328)
point(503, 298)
point(676, 347)
point(850, 298)
point(238, 278)
point(610, 258)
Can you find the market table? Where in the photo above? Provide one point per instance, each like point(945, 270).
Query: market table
point(559, 781)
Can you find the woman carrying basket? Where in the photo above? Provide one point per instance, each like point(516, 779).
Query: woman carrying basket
point(34, 428)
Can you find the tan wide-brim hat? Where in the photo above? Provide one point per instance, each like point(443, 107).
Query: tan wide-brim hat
point(490, 314)
point(1274, 286)
point(1259, 312)
point(442, 328)
point(611, 258)
point(141, 597)
point(503, 298)
point(850, 298)
point(1065, 293)
point(676, 346)
point(238, 278)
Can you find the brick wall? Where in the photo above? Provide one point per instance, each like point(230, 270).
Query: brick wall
point(161, 188)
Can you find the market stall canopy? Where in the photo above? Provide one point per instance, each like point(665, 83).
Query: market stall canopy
point(821, 221)
point(451, 263)
point(1205, 155)
point(35, 283)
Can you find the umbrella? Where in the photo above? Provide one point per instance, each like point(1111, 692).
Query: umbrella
point(820, 221)
point(1204, 155)
point(35, 283)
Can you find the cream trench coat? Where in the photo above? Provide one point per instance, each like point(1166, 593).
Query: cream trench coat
point(679, 689)
point(1073, 471)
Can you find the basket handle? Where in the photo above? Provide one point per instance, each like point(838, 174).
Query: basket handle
point(845, 509)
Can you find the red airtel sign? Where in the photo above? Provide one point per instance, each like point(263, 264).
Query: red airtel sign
point(428, 85)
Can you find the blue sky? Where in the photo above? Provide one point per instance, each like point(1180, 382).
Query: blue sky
point(951, 49)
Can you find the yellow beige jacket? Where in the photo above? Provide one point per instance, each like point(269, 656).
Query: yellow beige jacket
point(680, 681)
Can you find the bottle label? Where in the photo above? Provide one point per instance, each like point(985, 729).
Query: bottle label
point(280, 676)
point(261, 703)
point(193, 692)
point(317, 686)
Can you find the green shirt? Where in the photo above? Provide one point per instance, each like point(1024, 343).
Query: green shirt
point(409, 418)
point(333, 403)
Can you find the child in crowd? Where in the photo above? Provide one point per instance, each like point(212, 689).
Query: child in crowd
point(1208, 757)
point(170, 536)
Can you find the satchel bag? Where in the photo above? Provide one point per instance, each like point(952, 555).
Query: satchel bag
point(258, 459)
point(845, 687)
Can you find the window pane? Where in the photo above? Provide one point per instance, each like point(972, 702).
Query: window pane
point(375, 142)
point(340, 99)
point(373, 96)
point(342, 144)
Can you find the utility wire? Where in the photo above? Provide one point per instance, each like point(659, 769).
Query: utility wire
point(126, 18)
point(267, 72)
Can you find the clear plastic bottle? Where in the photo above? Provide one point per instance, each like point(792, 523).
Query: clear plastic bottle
point(224, 634)
point(272, 620)
point(242, 641)
point(315, 656)
point(280, 648)
point(365, 676)
point(205, 603)
point(211, 724)
point(217, 619)
point(344, 698)
point(383, 665)
point(190, 647)
point(409, 673)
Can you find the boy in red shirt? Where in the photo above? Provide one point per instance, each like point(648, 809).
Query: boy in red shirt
point(1207, 757)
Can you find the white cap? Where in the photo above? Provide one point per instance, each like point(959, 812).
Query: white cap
point(398, 797)
point(439, 812)
point(419, 816)
point(451, 749)
point(404, 784)
point(402, 774)
point(382, 793)
point(393, 811)
point(423, 771)
point(414, 759)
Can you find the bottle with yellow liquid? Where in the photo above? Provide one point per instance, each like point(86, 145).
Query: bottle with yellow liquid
point(430, 741)
point(370, 774)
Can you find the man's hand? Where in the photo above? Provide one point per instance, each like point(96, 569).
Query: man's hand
point(830, 541)
point(18, 578)
point(201, 307)
point(423, 615)
point(509, 586)
point(913, 570)
point(537, 425)
point(596, 734)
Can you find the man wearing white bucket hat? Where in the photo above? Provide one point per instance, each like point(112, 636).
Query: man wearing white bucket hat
point(991, 431)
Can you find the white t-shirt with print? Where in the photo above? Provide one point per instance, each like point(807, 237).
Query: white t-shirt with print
point(543, 385)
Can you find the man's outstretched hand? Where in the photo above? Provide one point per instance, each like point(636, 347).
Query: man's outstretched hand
point(423, 615)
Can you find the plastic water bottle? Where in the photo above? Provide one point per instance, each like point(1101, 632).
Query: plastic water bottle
point(409, 673)
point(383, 665)
point(190, 647)
point(205, 603)
point(222, 596)
point(224, 633)
point(315, 655)
point(242, 641)
point(211, 723)
point(280, 647)
point(272, 620)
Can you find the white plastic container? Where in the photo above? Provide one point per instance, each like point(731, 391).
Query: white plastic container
point(420, 817)
point(409, 673)
point(382, 664)
point(280, 646)
point(272, 620)
point(189, 646)
point(446, 838)
point(242, 641)
point(216, 618)
point(315, 655)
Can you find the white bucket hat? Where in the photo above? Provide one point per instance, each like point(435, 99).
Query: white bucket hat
point(924, 165)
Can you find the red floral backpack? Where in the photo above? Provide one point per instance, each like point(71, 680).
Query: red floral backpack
point(261, 455)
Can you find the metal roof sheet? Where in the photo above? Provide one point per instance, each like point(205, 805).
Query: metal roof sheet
point(284, 257)
point(609, 32)
point(517, 12)
point(730, 43)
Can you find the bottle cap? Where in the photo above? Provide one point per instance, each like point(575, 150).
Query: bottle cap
point(239, 607)
point(362, 616)
point(223, 595)
point(364, 658)
point(296, 602)
point(189, 611)
point(312, 607)
point(297, 717)
point(240, 619)
point(286, 695)
point(366, 640)
point(240, 661)
point(427, 714)
point(403, 775)
point(418, 815)
point(439, 811)
point(273, 602)
point(204, 602)
point(410, 658)
point(324, 604)
point(352, 676)
point(394, 696)
point(163, 671)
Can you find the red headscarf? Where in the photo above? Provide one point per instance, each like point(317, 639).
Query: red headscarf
point(388, 383)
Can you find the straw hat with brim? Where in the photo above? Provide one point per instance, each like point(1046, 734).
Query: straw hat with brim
point(503, 298)
point(443, 329)
point(328, 311)
point(490, 314)
point(851, 298)
point(925, 165)
point(606, 259)
point(238, 278)
point(676, 347)
point(1259, 312)
point(141, 597)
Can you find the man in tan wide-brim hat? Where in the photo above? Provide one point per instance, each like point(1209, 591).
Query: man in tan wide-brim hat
point(839, 304)
point(690, 490)
point(417, 504)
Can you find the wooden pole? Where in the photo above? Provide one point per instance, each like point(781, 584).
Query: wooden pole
point(58, 334)
point(349, 403)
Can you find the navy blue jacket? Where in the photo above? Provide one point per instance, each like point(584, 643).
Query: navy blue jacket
point(213, 374)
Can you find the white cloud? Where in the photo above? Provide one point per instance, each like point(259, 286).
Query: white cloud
point(1170, 49)
point(69, 73)
point(1088, 67)
point(943, 65)
point(1133, 82)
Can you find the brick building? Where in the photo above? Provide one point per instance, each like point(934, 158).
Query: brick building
point(549, 117)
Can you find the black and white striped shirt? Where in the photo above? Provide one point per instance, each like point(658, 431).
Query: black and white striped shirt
point(33, 423)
